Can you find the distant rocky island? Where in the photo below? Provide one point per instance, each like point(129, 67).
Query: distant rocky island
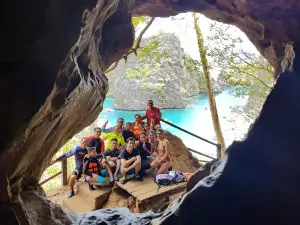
point(162, 72)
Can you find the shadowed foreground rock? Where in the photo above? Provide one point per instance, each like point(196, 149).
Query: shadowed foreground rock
point(52, 85)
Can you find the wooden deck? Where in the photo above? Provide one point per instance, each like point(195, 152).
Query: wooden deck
point(147, 190)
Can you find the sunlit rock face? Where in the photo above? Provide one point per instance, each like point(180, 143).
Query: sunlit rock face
point(53, 54)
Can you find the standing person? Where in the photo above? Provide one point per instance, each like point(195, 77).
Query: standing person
point(163, 160)
point(111, 156)
point(137, 128)
point(153, 114)
point(127, 133)
point(144, 149)
point(96, 141)
point(117, 134)
point(79, 152)
point(130, 161)
point(120, 123)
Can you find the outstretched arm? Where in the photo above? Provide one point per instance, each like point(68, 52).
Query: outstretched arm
point(65, 155)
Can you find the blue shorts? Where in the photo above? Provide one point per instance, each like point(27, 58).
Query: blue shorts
point(103, 173)
point(100, 180)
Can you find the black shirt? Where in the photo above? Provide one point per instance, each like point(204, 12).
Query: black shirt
point(114, 153)
point(96, 143)
point(142, 152)
point(127, 134)
point(126, 155)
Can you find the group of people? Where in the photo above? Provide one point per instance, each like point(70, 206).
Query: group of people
point(130, 152)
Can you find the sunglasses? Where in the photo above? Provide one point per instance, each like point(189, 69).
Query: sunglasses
point(98, 131)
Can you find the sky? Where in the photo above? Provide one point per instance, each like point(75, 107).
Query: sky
point(182, 25)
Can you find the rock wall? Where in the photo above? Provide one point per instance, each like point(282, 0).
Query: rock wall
point(52, 85)
point(162, 74)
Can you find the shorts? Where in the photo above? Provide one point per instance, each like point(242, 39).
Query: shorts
point(99, 180)
point(77, 173)
point(145, 165)
point(103, 173)
point(130, 173)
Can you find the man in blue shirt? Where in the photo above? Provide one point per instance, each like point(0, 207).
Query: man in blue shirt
point(79, 152)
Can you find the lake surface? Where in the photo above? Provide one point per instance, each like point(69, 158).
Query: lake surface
point(195, 118)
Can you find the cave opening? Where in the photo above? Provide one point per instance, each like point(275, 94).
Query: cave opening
point(38, 119)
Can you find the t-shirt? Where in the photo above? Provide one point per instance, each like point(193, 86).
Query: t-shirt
point(98, 143)
point(142, 152)
point(127, 134)
point(153, 115)
point(109, 137)
point(114, 153)
point(78, 153)
point(126, 155)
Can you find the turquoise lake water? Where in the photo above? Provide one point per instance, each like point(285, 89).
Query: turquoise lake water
point(195, 118)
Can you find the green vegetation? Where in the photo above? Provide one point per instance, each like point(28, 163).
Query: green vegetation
point(249, 73)
point(139, 71)
point(191, 64)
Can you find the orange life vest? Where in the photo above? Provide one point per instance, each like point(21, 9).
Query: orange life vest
point(93, 167)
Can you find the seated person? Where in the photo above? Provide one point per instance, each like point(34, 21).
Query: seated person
point(127, 133)
point(130, 161)
point(154, 142)
point(117, 134)
point(79, 152)
point(91, 170)
point(162, 158)
point(147, 128)
point(111, 157)
point(138, 126)
point(144, 150)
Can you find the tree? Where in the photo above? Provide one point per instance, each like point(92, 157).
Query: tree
point(136, 21)
point(250, 73)
point(210, 90)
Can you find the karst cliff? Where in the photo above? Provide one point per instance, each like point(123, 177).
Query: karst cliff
point(53, 54)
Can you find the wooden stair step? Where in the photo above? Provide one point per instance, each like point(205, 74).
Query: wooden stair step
point(97, 197)
point(77, 204)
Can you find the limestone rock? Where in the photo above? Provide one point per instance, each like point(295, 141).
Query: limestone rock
point(161, 75)
point(182, 158)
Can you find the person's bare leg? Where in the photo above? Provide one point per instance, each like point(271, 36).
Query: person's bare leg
point(137, 166)
point(108, 169)
point(118, 162)
point(72, 182)
point(164, 167)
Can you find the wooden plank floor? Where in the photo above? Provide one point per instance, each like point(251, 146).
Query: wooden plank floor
point(147, 189)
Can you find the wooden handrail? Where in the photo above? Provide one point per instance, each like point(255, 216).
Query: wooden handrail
point(64, 172)
point(207, 156)
point(201, 138)
point(179, 128)
point(50, 178)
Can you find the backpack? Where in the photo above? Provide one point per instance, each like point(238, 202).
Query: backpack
point(173, 177)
